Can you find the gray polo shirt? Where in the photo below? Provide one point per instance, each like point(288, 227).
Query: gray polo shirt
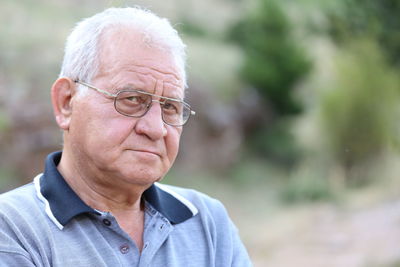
point(45, 223)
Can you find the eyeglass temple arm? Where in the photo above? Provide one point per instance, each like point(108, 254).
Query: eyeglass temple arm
point(95, 88)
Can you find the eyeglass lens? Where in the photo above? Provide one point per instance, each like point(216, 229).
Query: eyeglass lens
point(136, 104)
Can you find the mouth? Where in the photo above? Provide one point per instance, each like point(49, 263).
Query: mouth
point(145, 151)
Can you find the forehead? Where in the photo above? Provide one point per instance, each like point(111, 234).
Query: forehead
point(126, 57)
point(141, 78)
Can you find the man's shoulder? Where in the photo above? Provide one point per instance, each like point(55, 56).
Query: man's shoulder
point(18, 199)
point(19, 193)
point(203, 202)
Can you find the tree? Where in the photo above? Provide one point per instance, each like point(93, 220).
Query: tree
point(368, 18)
point(359, 111)
point(274, 63)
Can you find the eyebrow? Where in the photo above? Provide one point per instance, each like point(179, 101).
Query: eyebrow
point(130, 86)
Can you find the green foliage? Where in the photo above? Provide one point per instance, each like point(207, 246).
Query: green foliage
point(308, 182)
point(276, 143)
point(191, 28)
point(7, 179)
point(395, 263)
point(359, 111)
point(274, 62)
point(4, 122)
point(368, 18)
point(306, 189)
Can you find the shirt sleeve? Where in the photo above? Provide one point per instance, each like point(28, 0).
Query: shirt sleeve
point(230, 250)
point(11, 259)
point(221, 244)
point(240, 257)
point(12, 251)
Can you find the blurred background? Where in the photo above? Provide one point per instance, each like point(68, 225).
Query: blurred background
point(296, 129)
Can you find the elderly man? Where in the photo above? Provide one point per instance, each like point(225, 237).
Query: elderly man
point(119, 102)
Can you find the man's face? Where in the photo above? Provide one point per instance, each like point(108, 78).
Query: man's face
point(126, 149)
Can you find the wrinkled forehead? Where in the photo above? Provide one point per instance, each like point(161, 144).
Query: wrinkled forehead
point(151, 81)
point(128, 49)
point(127, 57)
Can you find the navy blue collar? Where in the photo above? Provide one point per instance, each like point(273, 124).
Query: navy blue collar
point(65, 204)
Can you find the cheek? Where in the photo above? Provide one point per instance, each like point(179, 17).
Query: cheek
point(110, 134)
point(117, 129)
point(98, 131)
point(172, 143)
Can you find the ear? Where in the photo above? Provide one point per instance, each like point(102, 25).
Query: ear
point(62, 93)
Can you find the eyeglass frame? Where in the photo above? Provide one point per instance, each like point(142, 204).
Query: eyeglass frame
point(191, 112)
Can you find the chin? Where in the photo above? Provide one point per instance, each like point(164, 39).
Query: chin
point(143, 178)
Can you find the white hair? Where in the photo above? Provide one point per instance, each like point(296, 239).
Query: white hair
point(81, 56)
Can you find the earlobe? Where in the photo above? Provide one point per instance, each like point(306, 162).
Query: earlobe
point(62, 93)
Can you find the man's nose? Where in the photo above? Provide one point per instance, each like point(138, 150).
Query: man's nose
point(151, 124)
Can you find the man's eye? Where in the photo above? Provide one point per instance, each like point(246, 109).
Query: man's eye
point(133, 99)
point(136, 99)
point(172, 107)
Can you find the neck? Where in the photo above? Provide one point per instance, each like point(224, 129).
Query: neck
point(100, 191)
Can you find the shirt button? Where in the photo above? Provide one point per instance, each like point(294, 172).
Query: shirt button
point(124, 249)
point(106, 222)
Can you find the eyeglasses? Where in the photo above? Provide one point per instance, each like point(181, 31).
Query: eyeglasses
point(136, 103)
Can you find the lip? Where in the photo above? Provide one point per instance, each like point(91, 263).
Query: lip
point(147, 151)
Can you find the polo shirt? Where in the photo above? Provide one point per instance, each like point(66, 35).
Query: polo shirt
point(45, 223)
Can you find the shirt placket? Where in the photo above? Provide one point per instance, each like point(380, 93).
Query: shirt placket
point(122, 244)
point(156, 233)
